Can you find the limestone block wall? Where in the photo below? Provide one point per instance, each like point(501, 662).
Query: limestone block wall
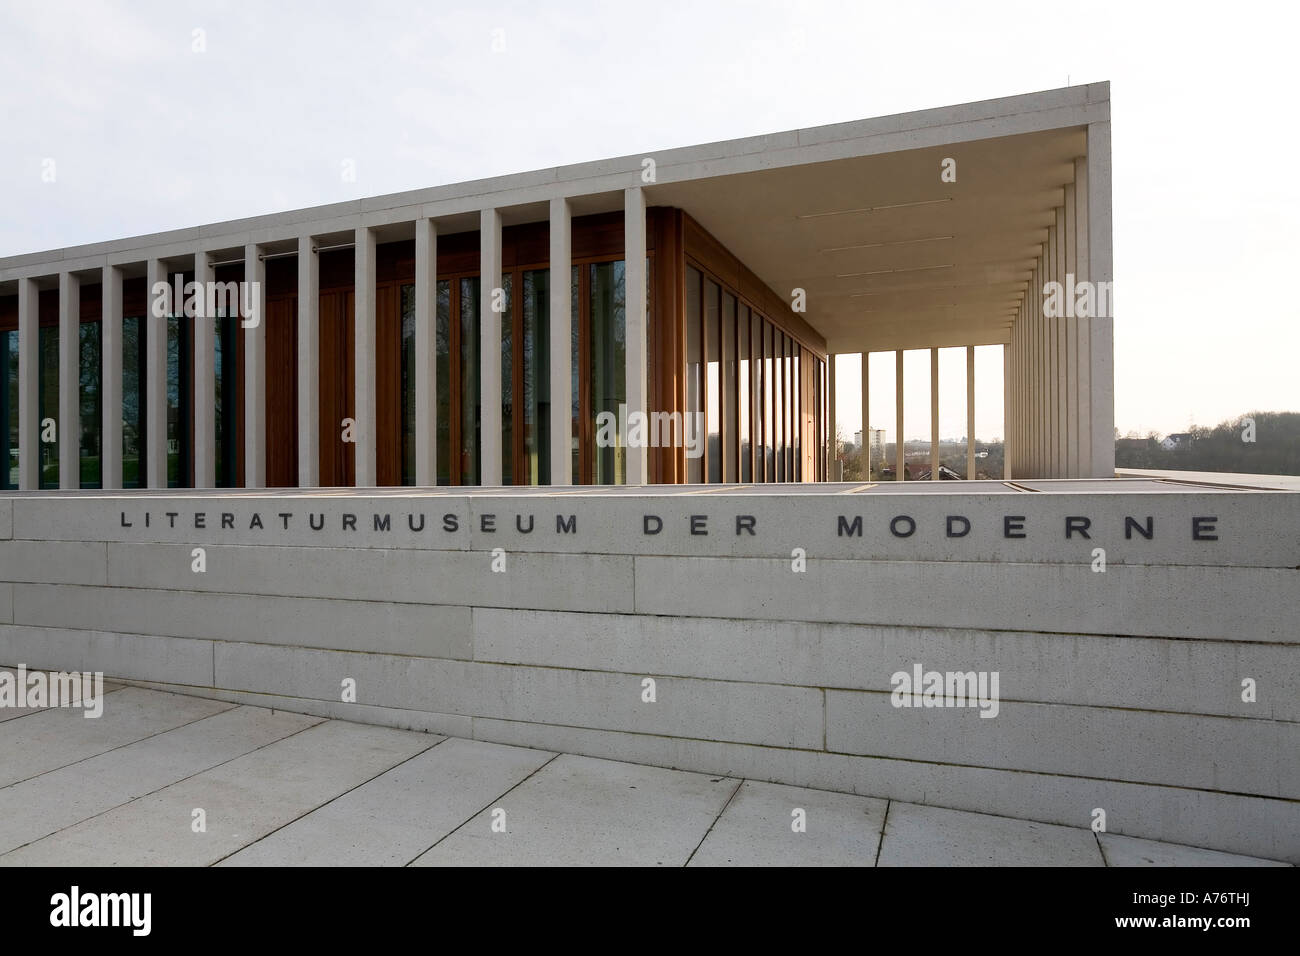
point(1127, 689)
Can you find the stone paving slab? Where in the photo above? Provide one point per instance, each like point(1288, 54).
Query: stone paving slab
point(932, 836)
point(53, 801)
point(9, 713)
point(39, 743)
point(280, 788)
point(1120, 850)
point(400, 814)
point(758, 829)
point(589, 812)
point(243, 800)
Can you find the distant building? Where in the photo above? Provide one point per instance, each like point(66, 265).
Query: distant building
point(1176, 440)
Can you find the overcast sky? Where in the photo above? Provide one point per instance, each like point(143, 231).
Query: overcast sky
point(147, 134)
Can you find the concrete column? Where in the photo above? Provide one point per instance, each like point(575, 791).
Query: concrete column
point(426, 353)
point(363, 298)
point(110, 381)
point(29, 424)
point(866, 417)
point(1083, 347)
point(1050, 327)
point(899, 455)
point(205, 382)
point(1040, 377)
point(1007, 441)
point(1071, 340)
point(1100, 271)
point(155, 388)
point(1062, 357)
point(69, 425)
point(254, 326)
point(561, 320)
point(490, 348)
point(637, 337)
point(934, 414)
point(832, 473)
point(970, 412)
point(309, 363)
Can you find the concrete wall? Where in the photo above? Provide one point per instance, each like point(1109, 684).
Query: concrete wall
point(1119, 690)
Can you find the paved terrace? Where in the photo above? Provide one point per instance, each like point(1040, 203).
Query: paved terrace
point(279, 788)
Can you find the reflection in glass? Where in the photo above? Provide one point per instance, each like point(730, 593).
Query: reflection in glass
point(694, 466)
point(470, 411)
point(442, 366)
point(608, 363)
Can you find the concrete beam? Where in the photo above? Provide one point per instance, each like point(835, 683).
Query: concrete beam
point(561, 319)
point(636, 330)
point(426, 353)
point(490, 299)
point(254, 325)
point(308, 363)
point(366, 431)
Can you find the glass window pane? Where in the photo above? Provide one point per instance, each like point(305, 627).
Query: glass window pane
point(730, 404)
point(609, 368)
point(48, 404)
point(133, 402)
point(91, 411)
point(537, 378)
point(408, 384)
point(769, 398)
point(442, 363)
point(744, 393)
point(9, 407)
point(694, 466)
point(712, 367)
point(575, 370)
point(468, 453)
point(507, 384)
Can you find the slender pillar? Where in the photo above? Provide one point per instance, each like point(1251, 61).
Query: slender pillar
point(69, 424)
point(1101, 343)
point(1008, 447)
point(205, 382)
point(309, 362)
point(254, 325)
point(834, 473)
point(970, 413)
point(1062, 356)
point(363, 297)
point(900, 456)
point(491, 298)
point(1071, 339)
point(1050, 327)
point(155, 390)
point(1083, 346)
point(637, 336)
point(866, 417)
point(110, 454)
point(29, 425)
point(934, 414)
point(561, 319)
point(426, 353)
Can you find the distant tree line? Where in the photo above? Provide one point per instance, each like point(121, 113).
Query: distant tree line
point(1260, 443)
